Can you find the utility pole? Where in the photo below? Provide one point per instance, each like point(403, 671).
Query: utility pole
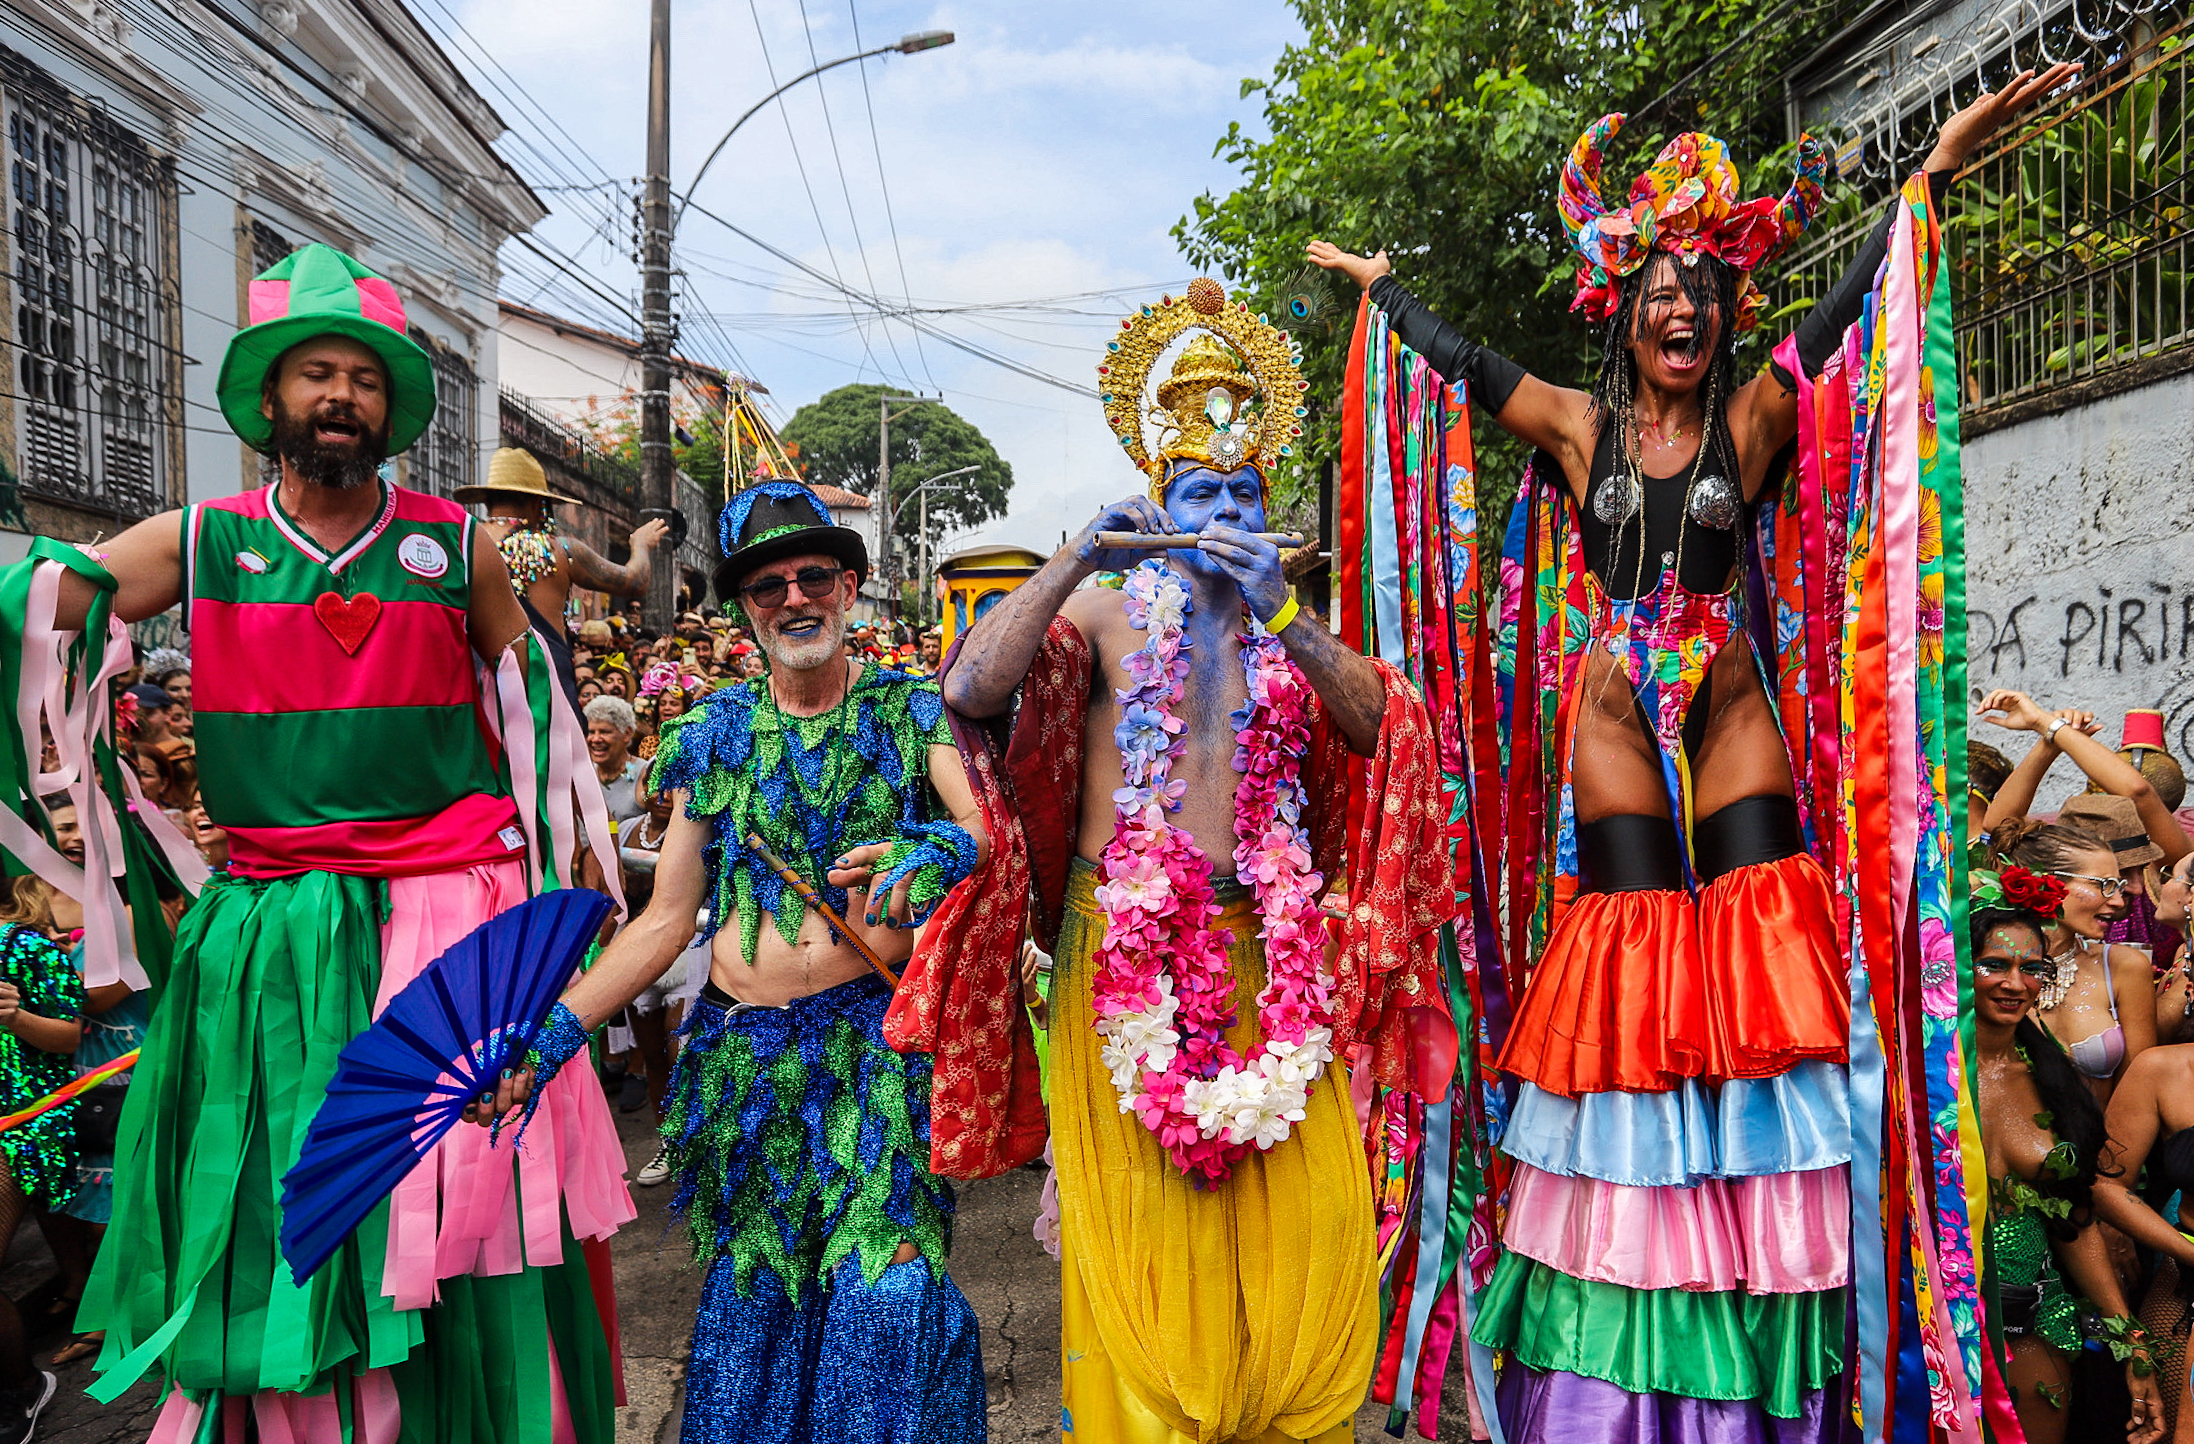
point(886, 573)
point(658, 469)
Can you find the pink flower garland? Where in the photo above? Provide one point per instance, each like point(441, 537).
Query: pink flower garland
point(1164, 988)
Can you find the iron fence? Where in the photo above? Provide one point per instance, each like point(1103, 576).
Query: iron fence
point(554, 444)
point(2069, 237)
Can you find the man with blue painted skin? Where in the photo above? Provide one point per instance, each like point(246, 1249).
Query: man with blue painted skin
point(1216, 1233)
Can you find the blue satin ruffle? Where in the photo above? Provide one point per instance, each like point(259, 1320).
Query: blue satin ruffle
point(1792, 1123)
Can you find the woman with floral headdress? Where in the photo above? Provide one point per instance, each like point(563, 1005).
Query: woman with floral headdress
point(1699, 950)
point(2047, 1174)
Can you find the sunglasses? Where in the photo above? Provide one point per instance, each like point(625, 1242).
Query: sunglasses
point(2041, 970)
point(815, 584)
point(2109, 887)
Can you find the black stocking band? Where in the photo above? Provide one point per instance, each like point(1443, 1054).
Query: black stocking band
point(1749, 831)
point(1630, 852)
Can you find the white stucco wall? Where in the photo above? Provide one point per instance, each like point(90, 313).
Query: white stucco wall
point(2080, 564)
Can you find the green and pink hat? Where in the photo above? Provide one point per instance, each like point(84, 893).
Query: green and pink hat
point(319, 291)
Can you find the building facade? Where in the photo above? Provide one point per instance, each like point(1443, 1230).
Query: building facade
point(161, 153)
point(2070, 248)
point(582, 380)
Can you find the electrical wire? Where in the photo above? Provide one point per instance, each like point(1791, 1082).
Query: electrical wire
point(784, 114)
point(845, 188)
point(883, 185)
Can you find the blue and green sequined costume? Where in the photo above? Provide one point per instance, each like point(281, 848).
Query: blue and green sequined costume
point(801, 1139)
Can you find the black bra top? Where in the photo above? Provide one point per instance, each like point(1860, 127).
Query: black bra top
point(1708, 554)
point(2171, 1166)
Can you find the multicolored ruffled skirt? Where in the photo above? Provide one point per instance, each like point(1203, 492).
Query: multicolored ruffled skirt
point(1677, 1245)
point(801, 1147)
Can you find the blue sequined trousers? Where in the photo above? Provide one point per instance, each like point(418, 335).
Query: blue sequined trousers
point(801, 1146)
point(896, 1362)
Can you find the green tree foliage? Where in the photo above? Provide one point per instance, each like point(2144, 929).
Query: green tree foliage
point(836, 436)
point(1437, 130)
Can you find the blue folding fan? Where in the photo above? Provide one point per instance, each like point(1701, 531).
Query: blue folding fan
point(444, 1040)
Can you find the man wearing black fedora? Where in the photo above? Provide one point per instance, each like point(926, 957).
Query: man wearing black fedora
point(799, 1139)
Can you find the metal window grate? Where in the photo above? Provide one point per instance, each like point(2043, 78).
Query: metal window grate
point(2070, 240)
point(444, 459)
point(88, 208)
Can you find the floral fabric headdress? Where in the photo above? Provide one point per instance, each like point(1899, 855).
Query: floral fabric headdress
point(2016, 887)
point(1685, 204)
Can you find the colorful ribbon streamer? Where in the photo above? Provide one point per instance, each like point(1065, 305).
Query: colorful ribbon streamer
point(70, 1091)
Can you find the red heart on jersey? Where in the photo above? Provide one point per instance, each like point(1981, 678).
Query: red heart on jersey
point(347, 619)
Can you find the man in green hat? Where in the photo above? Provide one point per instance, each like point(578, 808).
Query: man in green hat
point(339, 627)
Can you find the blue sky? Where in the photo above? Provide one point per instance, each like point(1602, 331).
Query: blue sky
point(1046, 154)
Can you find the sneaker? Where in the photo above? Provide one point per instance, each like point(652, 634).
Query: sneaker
point(20, 1408)
point(633, 1096)
point(657, 1171)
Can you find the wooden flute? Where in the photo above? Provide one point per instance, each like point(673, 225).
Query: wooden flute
point(814, 900)
point(1173, 541)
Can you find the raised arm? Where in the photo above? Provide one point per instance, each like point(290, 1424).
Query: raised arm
point(148, 562)
point(589, 568)
point(2019, 713)
point(1764, 413)
point(1555, 419)
point(999, 649)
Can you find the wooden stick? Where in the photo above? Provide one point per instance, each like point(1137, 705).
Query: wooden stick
point(1139, 541)
point(814, 900)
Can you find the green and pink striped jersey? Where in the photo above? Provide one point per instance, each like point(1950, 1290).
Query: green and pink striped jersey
point(337, 696)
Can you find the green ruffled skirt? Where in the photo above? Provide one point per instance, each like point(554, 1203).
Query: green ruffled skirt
point(1775, 1348)
point(270, 979)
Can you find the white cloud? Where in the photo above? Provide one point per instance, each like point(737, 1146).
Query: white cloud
point(1048, 152)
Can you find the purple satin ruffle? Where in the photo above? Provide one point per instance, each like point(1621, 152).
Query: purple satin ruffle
point(1785, 1233)
point(1541, 1407)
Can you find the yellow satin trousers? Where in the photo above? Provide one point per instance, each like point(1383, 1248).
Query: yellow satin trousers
point(1246, 1313)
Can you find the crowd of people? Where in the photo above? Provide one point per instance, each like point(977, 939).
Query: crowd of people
point(2079, 930)
point(1252, 850)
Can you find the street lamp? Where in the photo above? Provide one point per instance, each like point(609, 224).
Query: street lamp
point(911, 44)
point(922, 587)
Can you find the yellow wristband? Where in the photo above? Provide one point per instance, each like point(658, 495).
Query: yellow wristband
point(1282, 617)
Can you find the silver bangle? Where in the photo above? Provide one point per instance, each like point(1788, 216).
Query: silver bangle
point(2049, 733)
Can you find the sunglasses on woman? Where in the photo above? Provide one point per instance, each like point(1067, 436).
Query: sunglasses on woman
point(2041, 970)
point(815, 584)
point(2109, 887)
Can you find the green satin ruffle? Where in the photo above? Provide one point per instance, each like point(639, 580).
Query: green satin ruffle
point(1772, 1348)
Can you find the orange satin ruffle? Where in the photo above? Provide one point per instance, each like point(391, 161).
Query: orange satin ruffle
point(1619, 999)
point(1774, 977)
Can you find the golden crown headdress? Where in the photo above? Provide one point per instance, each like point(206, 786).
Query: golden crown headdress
point(1233, 398)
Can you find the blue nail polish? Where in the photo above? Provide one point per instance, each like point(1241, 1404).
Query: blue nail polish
point(509, 1073)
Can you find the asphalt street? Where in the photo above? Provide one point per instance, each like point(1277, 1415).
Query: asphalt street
point(1010, 1281)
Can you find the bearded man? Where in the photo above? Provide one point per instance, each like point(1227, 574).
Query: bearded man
point(338, 624)
point(799, 1139)
point(1183, 769)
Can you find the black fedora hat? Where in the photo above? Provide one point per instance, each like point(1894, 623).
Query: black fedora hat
point(776, 519)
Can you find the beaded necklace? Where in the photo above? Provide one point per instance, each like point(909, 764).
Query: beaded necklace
point(528, 548)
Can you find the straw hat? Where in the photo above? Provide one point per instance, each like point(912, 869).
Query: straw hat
point(513, 472)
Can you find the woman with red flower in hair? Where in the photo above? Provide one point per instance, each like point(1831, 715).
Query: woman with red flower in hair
point(2047, 1176)
point(2101, 1005)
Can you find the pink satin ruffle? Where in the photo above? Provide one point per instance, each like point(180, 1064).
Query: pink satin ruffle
point(376, 1416)
point(1778, 1234)
point(465, 1209)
